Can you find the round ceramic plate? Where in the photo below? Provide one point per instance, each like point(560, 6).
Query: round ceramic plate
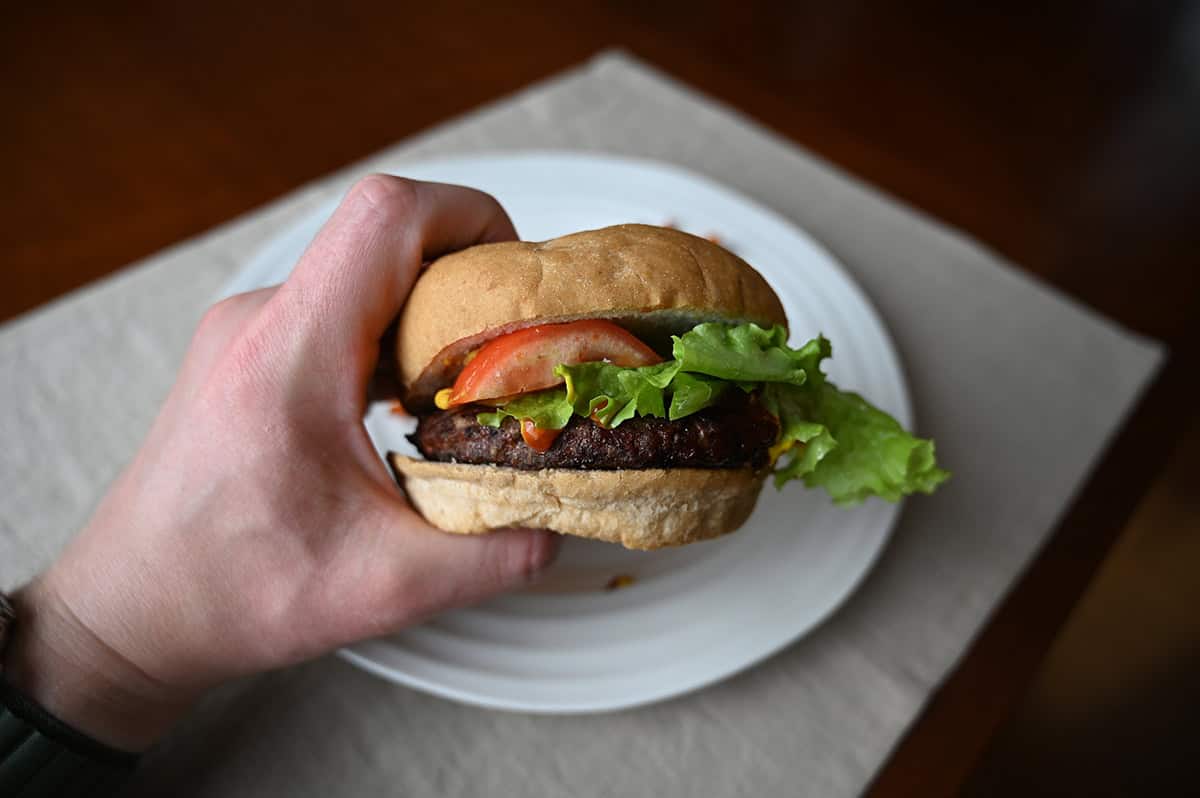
point(689, 616)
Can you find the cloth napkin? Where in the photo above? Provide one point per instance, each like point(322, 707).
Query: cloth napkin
point(1021, 387)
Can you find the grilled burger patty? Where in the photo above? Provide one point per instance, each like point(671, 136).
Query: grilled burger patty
point(732, 436)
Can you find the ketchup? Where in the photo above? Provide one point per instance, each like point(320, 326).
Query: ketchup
point(537, 438)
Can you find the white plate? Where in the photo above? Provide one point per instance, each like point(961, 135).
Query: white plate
point(693, 615)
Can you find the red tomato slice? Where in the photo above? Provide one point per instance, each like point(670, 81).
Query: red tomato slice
point(524, 361)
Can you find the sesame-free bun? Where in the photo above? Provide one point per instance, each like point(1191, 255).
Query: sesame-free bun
point(640, 509)
point(656, 281)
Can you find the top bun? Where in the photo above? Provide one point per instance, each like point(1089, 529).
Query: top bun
point(656, 281)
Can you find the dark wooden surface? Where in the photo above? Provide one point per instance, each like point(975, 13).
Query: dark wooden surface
point(1064, 137)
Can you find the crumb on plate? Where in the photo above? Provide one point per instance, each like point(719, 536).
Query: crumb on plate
point(619, 581)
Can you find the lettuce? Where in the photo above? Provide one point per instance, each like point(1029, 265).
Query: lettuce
point(612, 394)
point(548, 410)
point(803, 442)
point(828, 438)
point(874, 455)
point(742, 353)
point(691, 393)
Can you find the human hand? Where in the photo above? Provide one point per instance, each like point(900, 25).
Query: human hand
point(256, 526)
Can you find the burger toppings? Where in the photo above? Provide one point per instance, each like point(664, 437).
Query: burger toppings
point(735, 434)
point(590, 395)
point(536, 438)
point(525, 360)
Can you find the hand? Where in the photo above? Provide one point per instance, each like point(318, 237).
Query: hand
point(256, 527)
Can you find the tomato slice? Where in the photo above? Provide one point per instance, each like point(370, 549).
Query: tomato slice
point(524, 361)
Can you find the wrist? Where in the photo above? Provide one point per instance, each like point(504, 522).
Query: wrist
point(57, 661)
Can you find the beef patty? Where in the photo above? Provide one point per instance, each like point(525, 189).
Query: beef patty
point(730, 436)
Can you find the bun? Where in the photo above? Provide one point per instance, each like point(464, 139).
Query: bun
point(641, 509)
point(654, 280)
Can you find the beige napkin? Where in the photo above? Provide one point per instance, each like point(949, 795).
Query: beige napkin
point(1021, 387)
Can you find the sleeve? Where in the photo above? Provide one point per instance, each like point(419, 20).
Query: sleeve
point(42, 756)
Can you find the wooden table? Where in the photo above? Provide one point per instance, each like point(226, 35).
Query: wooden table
point(1064, 138)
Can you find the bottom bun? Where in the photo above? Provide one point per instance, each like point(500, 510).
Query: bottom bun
point(640, 509)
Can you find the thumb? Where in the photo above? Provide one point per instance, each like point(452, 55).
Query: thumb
point(449, 570)
point(405, 570)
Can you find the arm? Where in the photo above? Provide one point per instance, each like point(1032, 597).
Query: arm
point(256, 527)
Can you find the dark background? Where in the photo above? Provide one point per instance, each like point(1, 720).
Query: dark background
point(1064, 135)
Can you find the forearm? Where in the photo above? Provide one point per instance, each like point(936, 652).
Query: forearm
point(64, 667)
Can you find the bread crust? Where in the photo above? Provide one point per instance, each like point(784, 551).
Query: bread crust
point(640, 509)
point(657, 280)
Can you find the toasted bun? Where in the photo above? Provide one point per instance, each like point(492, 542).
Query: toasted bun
point(654, 280)
point(640, 509)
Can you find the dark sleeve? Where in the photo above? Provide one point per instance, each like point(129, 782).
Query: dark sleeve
point(42, 756)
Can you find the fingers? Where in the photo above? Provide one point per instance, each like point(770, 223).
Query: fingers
point(354, 277)
point(217, 328)
point(457, 217)
point(224, 318)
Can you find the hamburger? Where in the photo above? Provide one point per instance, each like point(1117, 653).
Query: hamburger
point(632, 384)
